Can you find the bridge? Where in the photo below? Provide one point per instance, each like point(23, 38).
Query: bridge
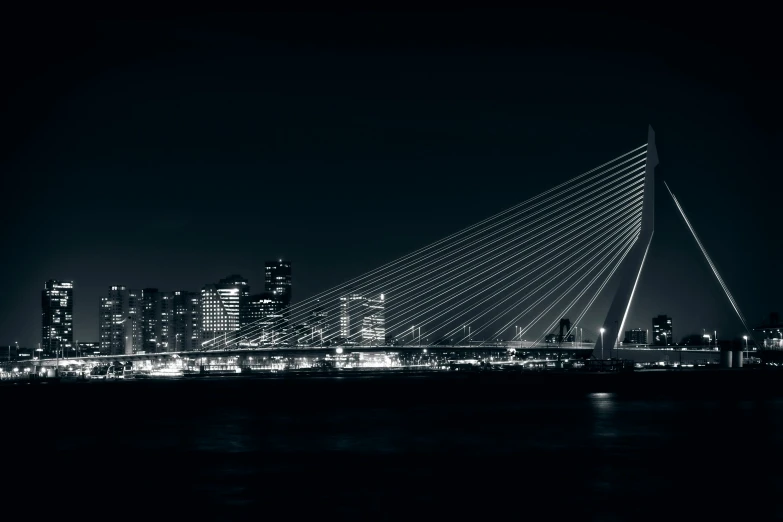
point(502, 284)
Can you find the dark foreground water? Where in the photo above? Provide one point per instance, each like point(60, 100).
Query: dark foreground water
point(388, 448)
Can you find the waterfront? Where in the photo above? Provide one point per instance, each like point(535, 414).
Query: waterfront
point(392, 446)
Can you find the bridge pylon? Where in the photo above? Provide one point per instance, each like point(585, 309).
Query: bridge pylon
point(631, 269)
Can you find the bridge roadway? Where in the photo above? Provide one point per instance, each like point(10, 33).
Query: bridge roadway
point(312, 351)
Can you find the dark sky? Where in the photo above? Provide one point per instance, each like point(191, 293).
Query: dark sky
point(172, 152)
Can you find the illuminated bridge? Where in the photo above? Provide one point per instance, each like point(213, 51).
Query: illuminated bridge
point(524, 280)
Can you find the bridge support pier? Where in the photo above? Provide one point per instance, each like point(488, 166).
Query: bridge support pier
point(736, 358)
point(725, 359)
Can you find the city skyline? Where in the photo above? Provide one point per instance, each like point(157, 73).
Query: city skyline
point(507, 127)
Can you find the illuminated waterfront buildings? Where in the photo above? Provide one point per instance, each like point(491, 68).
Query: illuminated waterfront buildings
point(220, 308)
point(362, 319)
point(57, 317)
point(373, 322)
point(150, 319)
point(260, 319)
point(171, 321)
point(350, 306)
point(184, 321)
point(121, 321)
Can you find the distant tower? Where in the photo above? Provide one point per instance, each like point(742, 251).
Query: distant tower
point(350, 322)
point(277, 280)
point(662, 330)
point(373, 322)
point(57, 317)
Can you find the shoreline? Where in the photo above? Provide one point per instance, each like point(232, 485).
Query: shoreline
point(746, 383)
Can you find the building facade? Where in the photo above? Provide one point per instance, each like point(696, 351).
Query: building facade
point(171, 321)
point(362, 319)
point(184, 329)
point(261, 320)
point(57, 318)
point(150, 319)
point(220, 309)
point(373, 321)
point(635, 336)
point(277, 280)
point(662, 331)
point(121, 321)
point(87, 349)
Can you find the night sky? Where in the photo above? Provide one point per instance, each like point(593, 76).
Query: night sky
point(173, 152)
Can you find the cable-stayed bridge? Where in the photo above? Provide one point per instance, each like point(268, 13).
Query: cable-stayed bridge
point(512, 277)
point(523, 279)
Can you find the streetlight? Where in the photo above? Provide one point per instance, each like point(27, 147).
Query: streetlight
point(602, 343)
point(746, 345)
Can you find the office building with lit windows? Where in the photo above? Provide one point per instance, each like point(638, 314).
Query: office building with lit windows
point(57, 318)
point(86, 349)
point(220, 309)
point(121, 321)
point(277, 280)
point(184, 321)
point(261, 320)
point(662, 331)
point(373, 321)
point(150, 319)
point(362, 319)
point(635, 336)
point(170, 321)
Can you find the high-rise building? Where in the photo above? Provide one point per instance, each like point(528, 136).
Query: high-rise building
point(121, 321)
point(373, 322)
point(350, 307)
point(261, 323)
point(635, 336)
point(362, 319)
point(662, 331)
point(220, 309)
point(57, 318)
point(184, 325)
point(171, 321)
point(150, 319)
point(277, 280)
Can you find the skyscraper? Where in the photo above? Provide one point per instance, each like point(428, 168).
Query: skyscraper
point(170, 321)
point(57, 317)
point(277, 280)
point(373, 322)
point(261, 319)
point(350, 323)
point(220, 309)
point(662, 330)
point(150, 319)
point(362, 319)
point(121, 321)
